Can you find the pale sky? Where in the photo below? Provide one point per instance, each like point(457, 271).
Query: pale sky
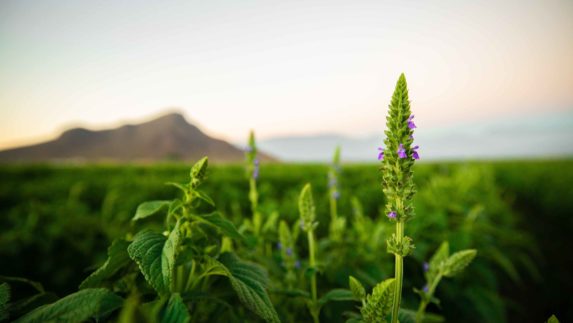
point(279, 67)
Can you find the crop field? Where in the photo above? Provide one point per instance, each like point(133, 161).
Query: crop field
point(58, 222)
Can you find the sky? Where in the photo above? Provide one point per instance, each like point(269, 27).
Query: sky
point(279, 67)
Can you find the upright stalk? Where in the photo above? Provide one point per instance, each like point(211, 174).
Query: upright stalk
point(398, 274)
point(312, 263)
point(426, 300)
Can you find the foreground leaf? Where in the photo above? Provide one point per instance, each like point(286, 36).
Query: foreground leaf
point(150, 208)
point(77, 307)
point(379, 303)
point(117, 258)
point(217, 220)
point(249, 282)
point(176, 311)
point(357, 288)
point(146, 250)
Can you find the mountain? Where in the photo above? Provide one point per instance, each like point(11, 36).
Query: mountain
point(169, 137)
point(540, 136)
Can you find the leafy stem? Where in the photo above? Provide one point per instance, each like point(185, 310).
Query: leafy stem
point(399, 260)
point(426, 300)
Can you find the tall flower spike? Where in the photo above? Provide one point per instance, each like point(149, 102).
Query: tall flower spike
point(402, 152)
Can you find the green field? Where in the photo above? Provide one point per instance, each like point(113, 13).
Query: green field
point(58, 221)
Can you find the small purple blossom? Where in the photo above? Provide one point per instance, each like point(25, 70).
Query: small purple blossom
point(336, 195)
point(279, 245)
point(256, 168)
point(297, 264)
point(289, 251)
point(392, 215)
point(426, 266)
point(426, 289)
point(331, 181)
point(411, 123)
point(415, 152)
point(402, 152)
point(381, 153)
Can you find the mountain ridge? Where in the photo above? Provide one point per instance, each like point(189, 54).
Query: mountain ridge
point(167, 137)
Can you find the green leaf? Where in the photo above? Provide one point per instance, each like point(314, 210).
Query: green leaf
point(176, 311)
point(149, 208)
point(10, 279)
point(77, 307)
point(249, 282)
point(457, 262)
point(117, 258)
point(553, 319)
point(203, 196)
point(156, 257)
point(291, 292)
point(440, 256)
point(4, 298)
point(23, 306)
point(356, 287)
point(227, 227)
point(378, 304)
point(338, 294)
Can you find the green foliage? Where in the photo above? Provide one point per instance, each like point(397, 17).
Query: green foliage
point(457, 262)
point(77, 307)
point(249, 282)
point(117, 259)
point(147, 250)
point(379, 304)
point(307, 209)
point(175, 311)
point(553, 319)
point(356, 287)
point(150, 208)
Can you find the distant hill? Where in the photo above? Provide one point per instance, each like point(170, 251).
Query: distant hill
point(540, 136)
point(169, 137)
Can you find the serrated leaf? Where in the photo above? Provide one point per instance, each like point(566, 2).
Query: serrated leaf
point(156, 257)
point(553, 319)
point(338, 294)
point(23, 306)
point(176, 311)
point(117, 258)
point(378, 304)
point(77, 307)
point(249, 282)
point(291, 292)
point(227, 227)
point(4, 299)
point(457, 262)
point(147, 209)
point(356, 287)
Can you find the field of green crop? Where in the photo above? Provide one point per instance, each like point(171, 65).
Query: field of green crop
point(58, 221)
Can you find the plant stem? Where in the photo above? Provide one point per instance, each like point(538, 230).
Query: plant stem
point(398, 274)
point(425, 301)
point(314, 311)
point(333, 213)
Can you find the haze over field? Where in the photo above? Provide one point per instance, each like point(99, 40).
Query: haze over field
point(487, 79)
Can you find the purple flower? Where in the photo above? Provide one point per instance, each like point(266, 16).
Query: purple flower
point(402, 152)
point(381, 153)
point(331, 180)
point(336, 195)
point(411, 123)
point(392, 215)
point(415, 152)
point(426, 266)
point(297, 264)
point(256, 168)
point(289, 251)
point(426, 288)
point(279, 245)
